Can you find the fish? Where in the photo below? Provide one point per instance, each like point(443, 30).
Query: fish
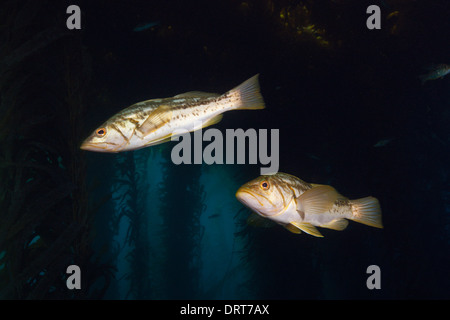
point(301, 206)
point(156, 121)
point(383, 143)
point(435, 72)
point(145, 26)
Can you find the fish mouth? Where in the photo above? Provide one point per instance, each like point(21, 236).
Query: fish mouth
point(88, 146)
point(242, 196)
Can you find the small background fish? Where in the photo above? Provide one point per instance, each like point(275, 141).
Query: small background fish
point(435, 72)
point(383, 142)
point(146, 26)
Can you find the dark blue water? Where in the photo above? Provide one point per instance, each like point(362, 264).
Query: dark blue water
point(350, 110)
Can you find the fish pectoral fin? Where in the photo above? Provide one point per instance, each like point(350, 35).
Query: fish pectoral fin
point(317, 200)
point(308, 228)
point(197, 94)
point(292, 228)
point(155, 120)
point(337, 224)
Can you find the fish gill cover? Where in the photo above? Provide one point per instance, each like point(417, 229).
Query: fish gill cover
point(140, 227)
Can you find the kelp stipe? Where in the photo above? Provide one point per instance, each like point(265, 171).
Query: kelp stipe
point(131, 189)
point(181, 206)
point(45, 219)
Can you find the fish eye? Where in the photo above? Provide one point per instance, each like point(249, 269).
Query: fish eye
point(101, 132)
point(265, 185)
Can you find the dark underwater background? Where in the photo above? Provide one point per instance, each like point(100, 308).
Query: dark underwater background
point(351, 112)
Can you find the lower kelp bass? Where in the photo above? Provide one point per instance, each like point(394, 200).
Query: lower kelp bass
point(155, 121)
point(301, 206)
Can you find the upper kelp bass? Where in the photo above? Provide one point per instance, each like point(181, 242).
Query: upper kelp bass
point(155, 121)
point(301, 206)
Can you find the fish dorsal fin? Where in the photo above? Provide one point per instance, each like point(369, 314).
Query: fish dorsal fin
point(317, 200)
point(155, 120)
point(315, 185)
point(293, 228)
point(308, 228)
point(197, 94)
point(256, 220)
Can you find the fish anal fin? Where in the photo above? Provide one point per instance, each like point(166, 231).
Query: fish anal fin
point(308, 228)
point(317, 200)
point(155, 120)
point(337, 224)
point(212, 121)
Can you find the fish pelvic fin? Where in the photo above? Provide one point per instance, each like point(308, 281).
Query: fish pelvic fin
point(290, 227)
point(308, 228)
point(164, 139)
point(247, 95)
point(367, 211)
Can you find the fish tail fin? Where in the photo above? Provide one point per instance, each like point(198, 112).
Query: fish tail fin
point(248, 95)
point(367, 211)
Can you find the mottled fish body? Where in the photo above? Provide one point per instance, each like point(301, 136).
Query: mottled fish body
point(155, 121)
point(301, 206)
